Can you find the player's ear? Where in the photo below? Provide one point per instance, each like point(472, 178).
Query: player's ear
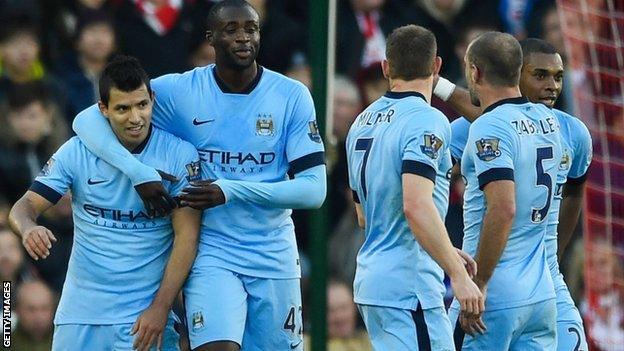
point(385, 68)
point(103, 108)
point(209, 36)
point(475, 73)
point(437, 65)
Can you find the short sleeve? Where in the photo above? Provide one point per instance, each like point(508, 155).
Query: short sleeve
point(187, 167)
point(56, 176)
point(493, 149)
point(304, 146)
point(424, 145)
point(582, 154)
point(459, 137)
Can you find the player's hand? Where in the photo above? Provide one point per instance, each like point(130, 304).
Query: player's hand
point(38, 242)
point(470, 297)
point(149, 328)
point(469, 263)
point(156, 200)
point(472, 325)
point(201, 195)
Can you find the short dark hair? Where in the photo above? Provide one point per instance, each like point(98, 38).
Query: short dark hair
point(411, 52)
point(499, 56)
point(124, 73)
point(18, 26)
point(24, 94)
point(91, 18)
point(536, 46)
point(213, 14)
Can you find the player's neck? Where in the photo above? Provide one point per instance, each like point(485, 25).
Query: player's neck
point(237, 80)
point(423, 86)
point(491, 94)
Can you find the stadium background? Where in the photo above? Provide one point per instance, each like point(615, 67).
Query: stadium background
point(52, 50)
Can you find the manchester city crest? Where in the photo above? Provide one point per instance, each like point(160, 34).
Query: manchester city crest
point(431, 145)
point(198, 320)
point(265, 125)
point(487, 149)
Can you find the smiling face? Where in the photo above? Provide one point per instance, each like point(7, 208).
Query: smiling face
point(130, 115)
point(235, 37)
point(541, 78)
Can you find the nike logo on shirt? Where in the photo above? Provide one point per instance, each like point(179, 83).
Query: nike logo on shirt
point(198, 122)
point(93, 182)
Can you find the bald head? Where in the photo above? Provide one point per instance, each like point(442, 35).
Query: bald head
point(498, 56)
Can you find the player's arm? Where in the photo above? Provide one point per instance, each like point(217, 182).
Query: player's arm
point(574, 188)
point(428, 229)
point(569, 213)
point(306, 158)
point(360, 215)
point(37, 240)
point(95, 132)
point(457, 97)
point(306, 190)
point(151, 323)
point(497, 222)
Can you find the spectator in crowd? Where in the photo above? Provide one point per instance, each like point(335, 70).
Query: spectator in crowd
point(159, 32)
point(81, 69)
point(346, 241)
point(34, 130)
point(282, 38)
point(201, 53)
point(299, 69)
point(347, 105)
point(362, 27)
point(604, 304)
point(342, 320)
point(13, 267)
point(466, 33)
point(35, 310)
point(372, 83)
point(20, 62)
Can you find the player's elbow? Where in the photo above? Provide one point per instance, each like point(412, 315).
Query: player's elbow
point(317, 198)
point(415, 210)
point(506, 210)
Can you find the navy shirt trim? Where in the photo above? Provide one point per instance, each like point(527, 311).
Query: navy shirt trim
point(419, 168)
point(403, 94)
point(517, 100)
point(577, 181)
point(48, 193)
point(494, 174)
point(224, 88)
point(356, 198)
point(306, 162)
point(143, 144)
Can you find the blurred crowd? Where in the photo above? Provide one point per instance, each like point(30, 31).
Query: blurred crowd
point(51, 55)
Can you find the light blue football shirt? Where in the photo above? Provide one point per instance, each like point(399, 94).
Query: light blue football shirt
point(577, 156)
point(119, 253)
point(459, 130)
point(520, 141)
point(398, 133)
point(259, 135)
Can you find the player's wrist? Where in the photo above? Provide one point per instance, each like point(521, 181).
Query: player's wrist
point(444, 89)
